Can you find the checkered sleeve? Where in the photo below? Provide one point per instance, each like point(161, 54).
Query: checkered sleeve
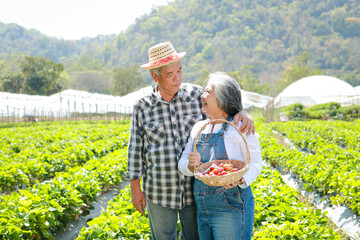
point(135, 146)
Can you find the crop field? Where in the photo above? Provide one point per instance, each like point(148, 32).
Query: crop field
point(52, 173)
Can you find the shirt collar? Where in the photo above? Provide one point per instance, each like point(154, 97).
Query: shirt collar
point(156, 97)
point(182, 94)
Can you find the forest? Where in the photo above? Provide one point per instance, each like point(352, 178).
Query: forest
point(260, 42)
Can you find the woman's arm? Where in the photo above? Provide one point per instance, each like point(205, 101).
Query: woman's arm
point(184, 165)
point(255, 165)
point(235, 148)
point(184, 160)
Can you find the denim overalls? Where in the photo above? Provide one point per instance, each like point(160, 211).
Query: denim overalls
point(221, 213)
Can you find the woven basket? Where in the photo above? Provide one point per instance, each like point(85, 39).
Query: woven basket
point(242, 167)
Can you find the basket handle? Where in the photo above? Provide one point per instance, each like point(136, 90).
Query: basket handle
point(215, 121)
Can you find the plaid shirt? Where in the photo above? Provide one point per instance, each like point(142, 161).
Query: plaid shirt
point(159, 133)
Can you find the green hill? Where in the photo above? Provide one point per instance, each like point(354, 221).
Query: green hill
point(221, 35)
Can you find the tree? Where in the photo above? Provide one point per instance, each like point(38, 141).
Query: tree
point(353, 78)
point(204, 77)
point(106, 51)
point(297, 71)
point(84, 63)
point(12, 82)
point(126, 80)
point(91, 81)
point(248, 81)
point(352, 25)
point(41, 76)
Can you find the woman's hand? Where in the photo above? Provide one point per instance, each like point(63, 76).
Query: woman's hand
point(231, 185)
point(194, 160)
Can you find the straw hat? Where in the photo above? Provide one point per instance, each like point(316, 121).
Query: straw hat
point(162, 54)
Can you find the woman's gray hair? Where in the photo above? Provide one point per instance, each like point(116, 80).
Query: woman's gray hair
point(227, 91)
point(159, 70)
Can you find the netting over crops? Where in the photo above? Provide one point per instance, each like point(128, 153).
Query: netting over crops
point(66, 103)
point(251, 99)
point(71, 101)
point(318, 89)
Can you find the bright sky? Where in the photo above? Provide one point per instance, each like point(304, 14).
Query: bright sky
point(74, 19)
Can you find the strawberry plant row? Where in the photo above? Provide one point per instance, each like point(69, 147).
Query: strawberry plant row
point(330, 170)
point(46, 153)
point(314, 143)
point(119, 221)
point(40, 211)
point(22, 144)
point(16, 140)
point(278, 214)
point(344, 134)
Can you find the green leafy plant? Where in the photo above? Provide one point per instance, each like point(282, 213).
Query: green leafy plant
point(47, 207)
point(326, 167)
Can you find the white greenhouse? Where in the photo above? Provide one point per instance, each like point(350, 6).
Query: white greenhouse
point(251, 99)
point(68, 102)
point(317, 89)
point(357, 89)
point(64, 103)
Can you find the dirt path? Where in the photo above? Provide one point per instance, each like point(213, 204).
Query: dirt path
point(73, 228)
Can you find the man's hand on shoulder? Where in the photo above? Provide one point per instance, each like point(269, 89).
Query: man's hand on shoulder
point(248, 125)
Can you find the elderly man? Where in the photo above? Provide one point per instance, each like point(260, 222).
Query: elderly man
point(160, 127)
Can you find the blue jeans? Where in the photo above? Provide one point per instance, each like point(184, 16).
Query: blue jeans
point(224, 213)
point(163, 222)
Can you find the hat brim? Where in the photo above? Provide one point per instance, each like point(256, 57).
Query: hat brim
point(160, 63)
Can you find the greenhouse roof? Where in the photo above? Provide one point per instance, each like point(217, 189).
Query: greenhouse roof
point(69, 101)
point(250, 99)
point(357, 89)
point(315, 90)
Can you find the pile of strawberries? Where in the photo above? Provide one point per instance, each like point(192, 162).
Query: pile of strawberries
point(220, 170)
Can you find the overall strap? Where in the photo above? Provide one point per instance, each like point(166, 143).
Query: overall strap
point(225, 126)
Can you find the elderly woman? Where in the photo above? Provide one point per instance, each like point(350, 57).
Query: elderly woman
point(222, 212)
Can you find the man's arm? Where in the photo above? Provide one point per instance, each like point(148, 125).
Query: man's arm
point(135, 161)
point(247, 123)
